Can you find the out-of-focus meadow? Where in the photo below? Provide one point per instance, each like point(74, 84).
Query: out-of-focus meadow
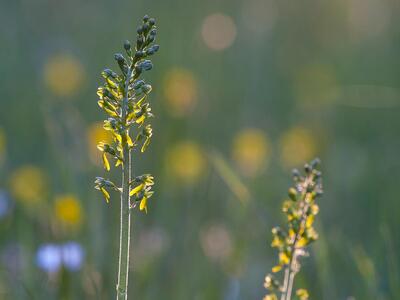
point(243, 92)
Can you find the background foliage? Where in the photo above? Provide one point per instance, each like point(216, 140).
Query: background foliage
point(243, 92)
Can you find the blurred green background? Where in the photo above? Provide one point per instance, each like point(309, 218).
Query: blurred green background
point(243, 91)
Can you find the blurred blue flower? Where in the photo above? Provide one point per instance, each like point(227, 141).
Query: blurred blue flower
point(48, 257)
point(72, 256)
point(5, 204)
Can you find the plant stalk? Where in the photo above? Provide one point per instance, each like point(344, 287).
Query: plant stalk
point(125, 222)
point(291, 269)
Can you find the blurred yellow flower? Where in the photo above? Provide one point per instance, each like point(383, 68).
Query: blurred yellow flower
point(63, 74)
point(218, 31)
point(180, 91)
point(297, 146)
point(28, 184)
point(2, 145)
point(96, 134)
point(67, 210)
point(316, 84)
point(251, 151)
point(186, 161)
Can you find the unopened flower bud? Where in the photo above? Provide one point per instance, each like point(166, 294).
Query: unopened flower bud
point(139, 54)
point(152, 50)
point(139, 42)
point(127, 45)
point(119, 57)
point(145, 27)
point(146, 65)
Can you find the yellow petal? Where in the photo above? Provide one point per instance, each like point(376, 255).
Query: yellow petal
point(309, 221)
point(105, 162)
point(145, 144)
point(276, 269)
point(141, 119)
point(119, 162)
point(283, 258)
point(270, 297)
point(105, 193)
point(136, 189)
point(314, 209)
point(143, 204)
point(302, 242)
point(276, 242)
point(129, 140)
point(302, 294)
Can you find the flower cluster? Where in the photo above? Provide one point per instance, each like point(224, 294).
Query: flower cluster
point(291, 243)
point(123, 97)
point(142, 190)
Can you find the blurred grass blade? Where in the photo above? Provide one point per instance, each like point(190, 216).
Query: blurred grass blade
point(229, 176)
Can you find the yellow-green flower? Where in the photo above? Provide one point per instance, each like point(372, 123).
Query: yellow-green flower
point(28, 184)
point(251, 151)
point(142, 190)
point(180, 91)
point(96, 134)
point(68, 210)
point(297, 145)
point(186, 161)
point(63, 74)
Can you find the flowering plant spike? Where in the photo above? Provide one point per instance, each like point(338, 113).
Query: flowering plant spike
point(124, 98)
point(292, 242)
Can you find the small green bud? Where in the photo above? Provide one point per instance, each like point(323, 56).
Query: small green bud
point(121, 62)
point(146, 65)
point(127, 45)
point(315, 162)
point(295, 173)
point(150, 39)
point(109, 73)
point(153, 32)
point(146, 27)
point(139, 54)
point(146, 88)
point(152, 50)
point(138, 84)
point(139, 42)
point(147, 131)
point(293, 194)
point(119, 57)
point(317, 174)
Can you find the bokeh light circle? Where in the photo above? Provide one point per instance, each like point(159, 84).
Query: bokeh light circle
point(63, 75)
point(180, 91)
point(218, 31)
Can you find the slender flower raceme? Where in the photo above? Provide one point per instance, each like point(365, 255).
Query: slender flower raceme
point(124, 98)
point(292, 242)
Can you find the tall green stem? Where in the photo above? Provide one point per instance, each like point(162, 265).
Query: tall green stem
point(125, 222)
